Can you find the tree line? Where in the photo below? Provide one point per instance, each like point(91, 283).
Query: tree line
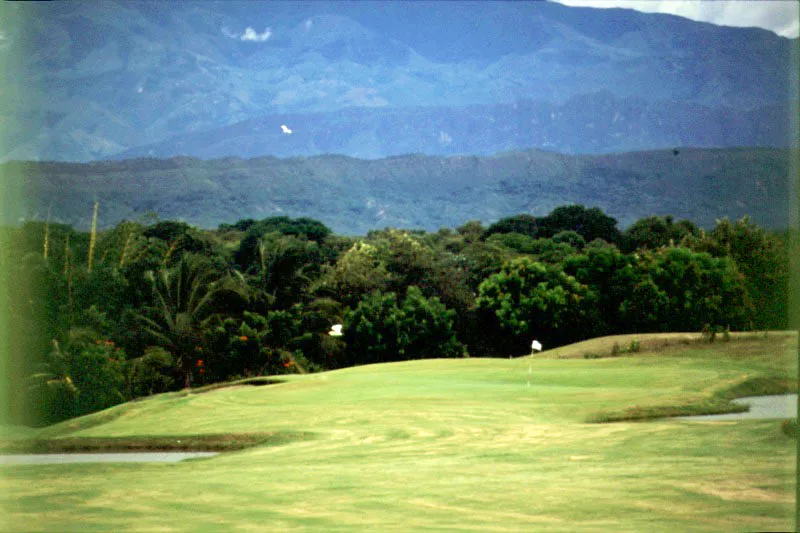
point(99, 318)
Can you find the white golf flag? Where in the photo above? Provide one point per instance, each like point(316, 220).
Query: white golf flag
point(536, 346)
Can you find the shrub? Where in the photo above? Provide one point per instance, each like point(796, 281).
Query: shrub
point(98, 373)
point(87, 375)
point(49, 397)
point(789, 428)
point(709, 333)
point(151, 373)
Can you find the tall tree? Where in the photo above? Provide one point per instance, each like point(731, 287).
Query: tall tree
point(407, 259)
point(605, 271)
point(381, 329)
point(358, 272)
point(656, 231)
point(283, 268)
point(677, 289)
point(590, 224)
point(527, 299)
point(763, 259)
point(524, 224)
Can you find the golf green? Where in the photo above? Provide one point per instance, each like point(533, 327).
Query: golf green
point(468, 445)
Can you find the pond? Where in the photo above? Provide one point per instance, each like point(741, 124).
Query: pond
point(778, 406)
point(133, 457)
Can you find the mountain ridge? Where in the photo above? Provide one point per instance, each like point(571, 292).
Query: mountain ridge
point(354, 196)
point(94, 80)
point(589, 124)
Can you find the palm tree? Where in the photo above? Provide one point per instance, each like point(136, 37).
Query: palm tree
point(188, 298)
point(282, 269)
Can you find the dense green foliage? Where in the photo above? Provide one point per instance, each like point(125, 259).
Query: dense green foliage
point(381, 330)
point(531, 300)
point(187, 300)
point(167, 305)
point(653, 232)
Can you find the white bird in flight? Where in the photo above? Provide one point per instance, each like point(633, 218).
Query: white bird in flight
point(285, 129)
point(336, 331)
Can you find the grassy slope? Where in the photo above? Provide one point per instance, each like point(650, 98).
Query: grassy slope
point(476, 444)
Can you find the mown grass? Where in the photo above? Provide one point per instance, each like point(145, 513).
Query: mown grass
point(184, 443)
point(8, 432)
point(470, 445)
point(650, 343)
point(112, 413)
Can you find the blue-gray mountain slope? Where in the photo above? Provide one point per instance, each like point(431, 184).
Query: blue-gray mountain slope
point(90, 80)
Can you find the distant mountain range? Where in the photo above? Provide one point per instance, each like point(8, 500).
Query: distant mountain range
point(589, 123)
point(353, 196)
point(109, 79)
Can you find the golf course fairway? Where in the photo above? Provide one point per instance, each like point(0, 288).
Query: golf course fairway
point(447, 445)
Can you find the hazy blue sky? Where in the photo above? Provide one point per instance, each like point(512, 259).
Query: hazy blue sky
point(780, 16)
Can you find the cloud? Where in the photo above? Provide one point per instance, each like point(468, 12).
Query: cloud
point(779, 16)
point(249, 35)
point(308, 24)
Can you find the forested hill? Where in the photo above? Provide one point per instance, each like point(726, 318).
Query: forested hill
point(353, 196)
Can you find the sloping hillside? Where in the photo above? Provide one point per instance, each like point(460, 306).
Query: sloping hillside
point(91, 80)
point(590, 123)
point(354, 196)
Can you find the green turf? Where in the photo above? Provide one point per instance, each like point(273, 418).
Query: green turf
point(471, 445)
point(183, 443)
